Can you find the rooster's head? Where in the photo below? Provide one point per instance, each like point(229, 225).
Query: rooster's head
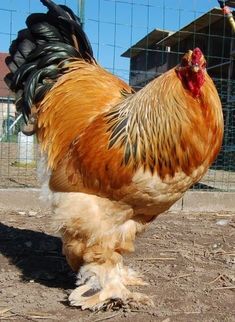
point(192, 70)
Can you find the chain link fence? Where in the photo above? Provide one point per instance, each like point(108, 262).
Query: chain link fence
point(137, 40)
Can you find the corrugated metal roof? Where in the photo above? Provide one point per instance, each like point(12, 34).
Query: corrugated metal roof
point(153, 37)
point(168, 38)
point(195, 26)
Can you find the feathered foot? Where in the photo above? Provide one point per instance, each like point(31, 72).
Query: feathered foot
point(94, 296)
point(110, 294)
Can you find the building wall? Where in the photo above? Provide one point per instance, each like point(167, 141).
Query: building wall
point(146, 65)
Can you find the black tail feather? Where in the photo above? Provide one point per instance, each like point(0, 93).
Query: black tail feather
point(49, 40)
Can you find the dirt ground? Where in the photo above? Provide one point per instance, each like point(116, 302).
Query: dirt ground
point(188, 260)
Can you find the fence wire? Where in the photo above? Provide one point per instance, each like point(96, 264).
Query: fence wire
point(136, 40)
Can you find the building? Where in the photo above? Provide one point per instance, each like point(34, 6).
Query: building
point(7, 106)
point(161, 50)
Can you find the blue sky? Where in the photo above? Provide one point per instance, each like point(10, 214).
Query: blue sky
point(112, 25)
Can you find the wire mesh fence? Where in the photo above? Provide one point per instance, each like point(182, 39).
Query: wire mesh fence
point(136, 40)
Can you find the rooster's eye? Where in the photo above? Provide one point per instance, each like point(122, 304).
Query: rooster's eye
point(204, 65)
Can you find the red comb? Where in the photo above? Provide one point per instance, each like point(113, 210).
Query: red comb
point(196, 55)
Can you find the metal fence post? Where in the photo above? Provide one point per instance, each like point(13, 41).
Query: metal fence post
point(81, 11)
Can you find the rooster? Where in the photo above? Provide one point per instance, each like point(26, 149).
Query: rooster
point(114, 159)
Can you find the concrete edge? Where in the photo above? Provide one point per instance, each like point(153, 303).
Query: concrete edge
point(202, 201)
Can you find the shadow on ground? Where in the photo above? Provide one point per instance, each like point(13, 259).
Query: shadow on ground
point(37, 255)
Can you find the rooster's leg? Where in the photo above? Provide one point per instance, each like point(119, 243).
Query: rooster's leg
point(103, 279)
point(93, 243)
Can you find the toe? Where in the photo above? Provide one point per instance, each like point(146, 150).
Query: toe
point(76, 297)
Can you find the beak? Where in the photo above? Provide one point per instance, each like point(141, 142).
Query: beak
point(195, 68)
